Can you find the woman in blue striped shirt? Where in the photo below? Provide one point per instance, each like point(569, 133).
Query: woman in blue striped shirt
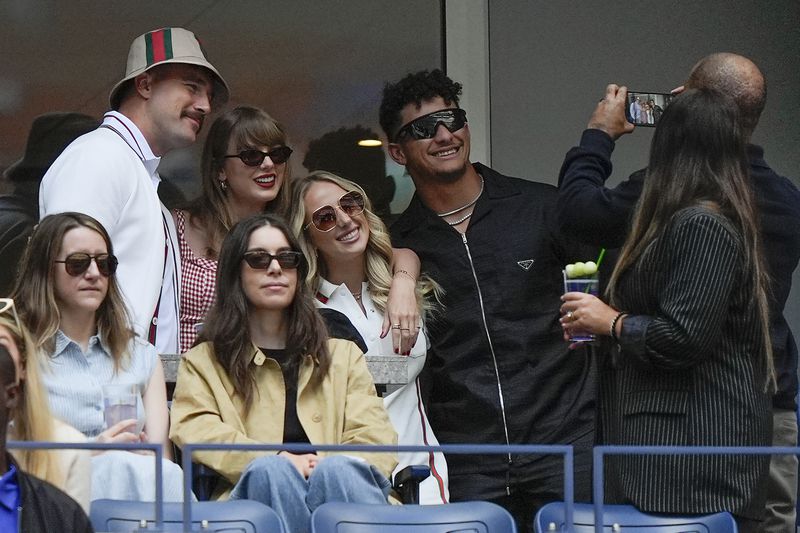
point(69, 299)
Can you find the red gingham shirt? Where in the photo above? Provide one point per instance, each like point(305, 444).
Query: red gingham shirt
point(198, 277)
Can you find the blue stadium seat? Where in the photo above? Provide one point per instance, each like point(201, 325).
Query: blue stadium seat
point(550, 518)
point(472, 517)
point(237, 516)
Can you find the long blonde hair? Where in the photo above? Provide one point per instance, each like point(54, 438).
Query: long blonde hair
point(377, 256)
point(32, 418)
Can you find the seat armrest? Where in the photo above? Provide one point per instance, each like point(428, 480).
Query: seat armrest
point(406, 482)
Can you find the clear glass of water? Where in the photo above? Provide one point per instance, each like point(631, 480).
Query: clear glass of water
point(122, 402)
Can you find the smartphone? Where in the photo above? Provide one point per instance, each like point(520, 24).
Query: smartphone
point(645, 109)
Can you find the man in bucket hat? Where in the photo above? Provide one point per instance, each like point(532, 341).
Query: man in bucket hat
point(168, 90)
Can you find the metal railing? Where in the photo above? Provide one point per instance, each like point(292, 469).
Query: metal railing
point(470, 449)
point(600, 452)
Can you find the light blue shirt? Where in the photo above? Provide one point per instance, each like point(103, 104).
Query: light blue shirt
point(75, 379)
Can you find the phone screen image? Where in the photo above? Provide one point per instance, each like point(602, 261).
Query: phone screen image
point(645, 109)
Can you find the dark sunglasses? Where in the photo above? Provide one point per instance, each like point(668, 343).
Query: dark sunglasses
point(424, 127)
point(78, 263)
point(253, 158)
point(261, 260)
point(324, 218)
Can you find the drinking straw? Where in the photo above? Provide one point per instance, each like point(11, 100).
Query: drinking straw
point(599, 260)
point(600, 257)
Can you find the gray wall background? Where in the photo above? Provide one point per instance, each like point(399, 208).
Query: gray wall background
point(549, 63)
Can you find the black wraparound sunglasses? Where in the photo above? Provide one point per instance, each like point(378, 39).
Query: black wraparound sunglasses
point(424, 127)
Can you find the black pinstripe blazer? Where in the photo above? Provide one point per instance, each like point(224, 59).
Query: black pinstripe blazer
point(689, 371)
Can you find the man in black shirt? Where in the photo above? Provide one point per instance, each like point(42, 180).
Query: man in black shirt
point(600, 216)
point(498, 370)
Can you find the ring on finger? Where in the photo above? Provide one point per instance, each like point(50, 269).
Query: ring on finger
point(396, 326)
point(570, 314)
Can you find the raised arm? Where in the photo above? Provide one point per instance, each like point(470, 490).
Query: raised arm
point(587, 210)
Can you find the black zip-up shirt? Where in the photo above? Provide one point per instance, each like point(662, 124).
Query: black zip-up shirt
point(512, 250)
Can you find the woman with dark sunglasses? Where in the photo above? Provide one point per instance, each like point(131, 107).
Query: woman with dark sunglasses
point(266, 372)
point(245, 171)
point(69, 298)
point(350, 257)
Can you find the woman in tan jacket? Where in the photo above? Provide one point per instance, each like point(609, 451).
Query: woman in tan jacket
point(267, 373)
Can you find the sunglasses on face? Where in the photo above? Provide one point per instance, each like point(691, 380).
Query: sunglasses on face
point(78, 263)
point(424, 127)
point(324, 218)
point(253, 158)
point(260, 260)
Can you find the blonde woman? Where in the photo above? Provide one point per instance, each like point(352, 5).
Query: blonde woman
point(69, 470)
point(70, 300)
point(350, 256)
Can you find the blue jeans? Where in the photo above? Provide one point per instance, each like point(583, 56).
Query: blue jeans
point(274, 481)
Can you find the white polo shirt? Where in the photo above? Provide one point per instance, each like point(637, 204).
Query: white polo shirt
point(111, 175)
point(404, 405)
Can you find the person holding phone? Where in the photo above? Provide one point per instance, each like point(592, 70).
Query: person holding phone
point(69, 298)
point(689, 362)
point(599, 215)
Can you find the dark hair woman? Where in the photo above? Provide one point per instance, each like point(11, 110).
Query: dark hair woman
point(265, 372)
point(691, 361)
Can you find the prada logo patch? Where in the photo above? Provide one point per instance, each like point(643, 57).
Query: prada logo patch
point(525, 264)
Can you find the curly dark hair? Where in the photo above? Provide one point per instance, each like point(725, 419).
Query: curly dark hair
point(423, 85)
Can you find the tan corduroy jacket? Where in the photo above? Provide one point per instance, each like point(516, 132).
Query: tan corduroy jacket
point(343, 409)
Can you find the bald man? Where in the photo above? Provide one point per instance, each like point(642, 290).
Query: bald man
point(590, 212)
